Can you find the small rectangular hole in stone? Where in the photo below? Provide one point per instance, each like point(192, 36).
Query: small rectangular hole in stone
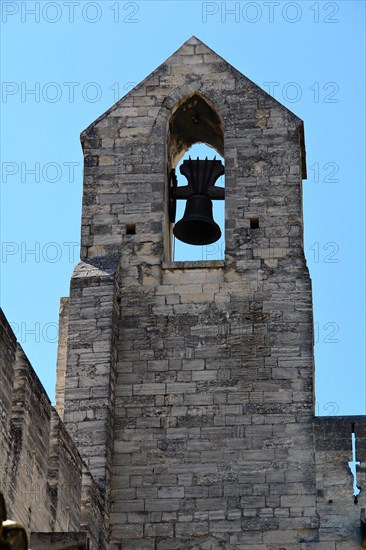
point(130, 229)
point(254, 223)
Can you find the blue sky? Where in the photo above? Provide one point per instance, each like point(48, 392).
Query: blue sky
point(64, 63)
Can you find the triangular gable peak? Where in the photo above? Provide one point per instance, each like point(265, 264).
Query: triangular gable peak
point(191, 56)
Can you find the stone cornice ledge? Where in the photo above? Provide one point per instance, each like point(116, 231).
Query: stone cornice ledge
point(194, 265)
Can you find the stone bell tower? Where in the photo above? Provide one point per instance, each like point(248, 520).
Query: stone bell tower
point(189, 385)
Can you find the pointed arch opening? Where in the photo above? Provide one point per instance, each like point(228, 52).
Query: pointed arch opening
point(196, 130)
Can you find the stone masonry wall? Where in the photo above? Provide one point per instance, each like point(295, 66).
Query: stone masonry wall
point(339, 511)
point(41, 469)
point(62, 355)
point(27, 466)
point(90, 375)
point(214, 377)
point(7, 359)
point(187, 387)
point(213, 414)
point(125, 161)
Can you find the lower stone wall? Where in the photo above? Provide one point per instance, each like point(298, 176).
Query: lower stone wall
point(7, 360)
point(26, 471)
point(42, 474)
point(339, 511)
point(213, 421)
point(64, 478)
point(91, 371)
point(59, 541)
point(49, 489)
point(92, 512)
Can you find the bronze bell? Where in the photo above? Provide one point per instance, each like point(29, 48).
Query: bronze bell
point(197, 226)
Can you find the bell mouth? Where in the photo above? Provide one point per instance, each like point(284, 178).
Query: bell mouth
point(197, 227)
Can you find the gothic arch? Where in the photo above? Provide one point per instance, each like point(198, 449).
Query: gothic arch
point(190, 118)
point(193, 119)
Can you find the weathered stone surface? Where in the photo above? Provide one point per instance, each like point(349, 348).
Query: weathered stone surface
point(339, 511)
point(59, 541)
point(193, 397)
point(188, 386)
point(62, 355)
point(7, 360)
point(41, 469)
